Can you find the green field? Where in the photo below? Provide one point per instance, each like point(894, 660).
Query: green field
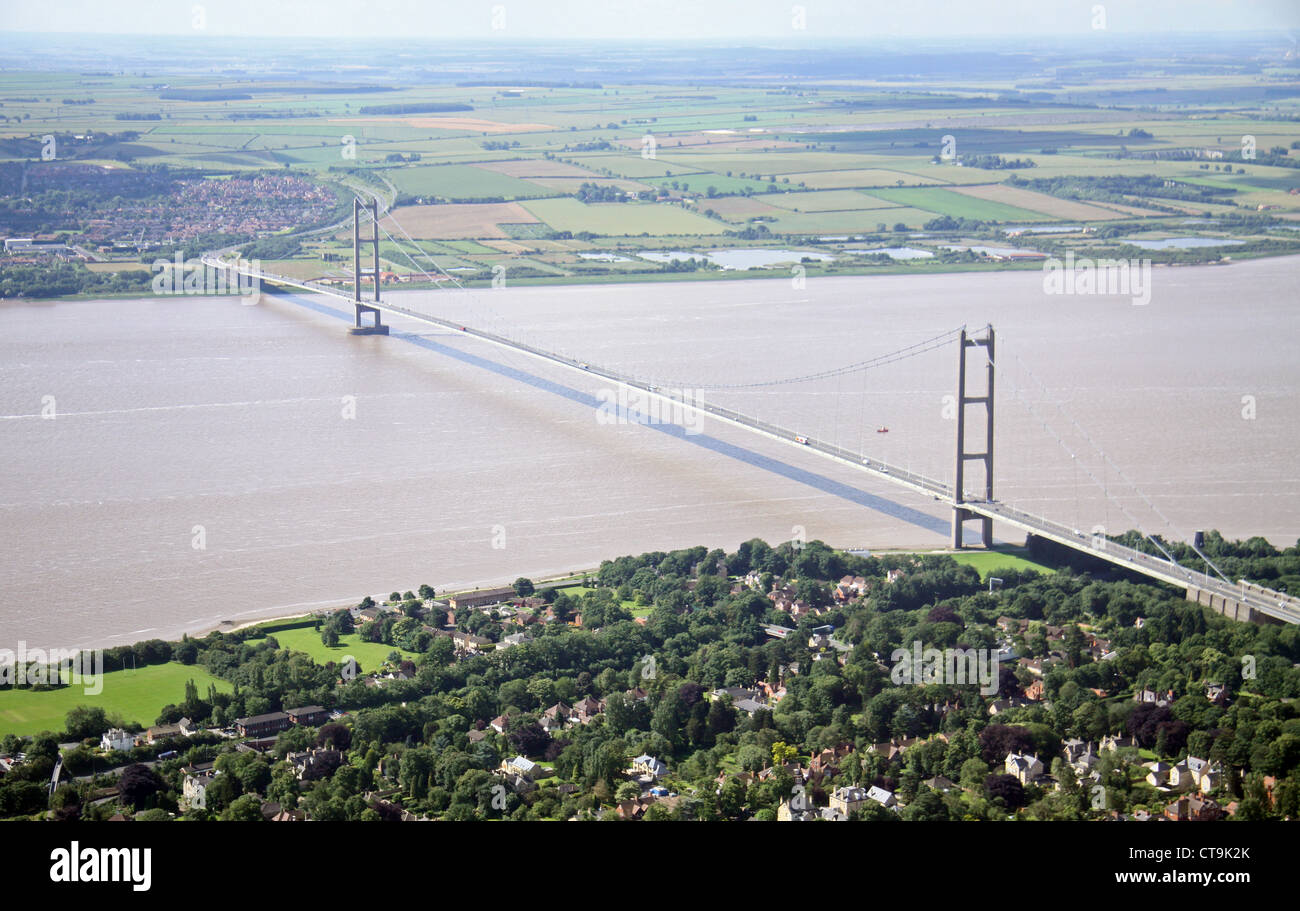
point(133, 695)
point(855, 159)
point(989, 562)
point(459, 181)
point(614, 218)
point(370, 655)
point(946, 202)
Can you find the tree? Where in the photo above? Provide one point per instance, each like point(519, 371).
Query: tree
point(138, 785)
point(86, 721)
point(245, 808)
point(1006, 788)
point(524, 587)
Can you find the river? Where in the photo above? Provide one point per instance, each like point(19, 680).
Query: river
point(176, 463)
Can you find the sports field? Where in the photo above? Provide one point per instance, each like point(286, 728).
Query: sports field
point(131, 695)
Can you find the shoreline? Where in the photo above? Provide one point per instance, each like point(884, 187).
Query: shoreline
point(205, 628)
point(909, 267)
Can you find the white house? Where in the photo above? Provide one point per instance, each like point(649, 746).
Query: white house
point(195, 791)
point(116, 740)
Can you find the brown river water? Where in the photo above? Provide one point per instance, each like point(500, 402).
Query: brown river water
point(173, 463)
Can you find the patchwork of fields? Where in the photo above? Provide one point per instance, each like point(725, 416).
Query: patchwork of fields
point(688, 168)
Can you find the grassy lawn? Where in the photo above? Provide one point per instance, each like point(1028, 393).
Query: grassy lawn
point(370, 655)
point(135, 695)
point(991, 561)
point(988, 562)
point(577, 591)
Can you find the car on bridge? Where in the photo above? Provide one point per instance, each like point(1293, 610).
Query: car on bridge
point(803, 440)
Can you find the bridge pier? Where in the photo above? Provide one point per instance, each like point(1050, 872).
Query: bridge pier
point(959, 514)
point(377, 327)
point(1229, 607)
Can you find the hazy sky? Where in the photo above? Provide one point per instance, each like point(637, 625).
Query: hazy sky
point(521, 20)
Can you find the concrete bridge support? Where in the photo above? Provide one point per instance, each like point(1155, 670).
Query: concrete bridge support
point(1229, 607)
point(959, 514)
point(377, 327)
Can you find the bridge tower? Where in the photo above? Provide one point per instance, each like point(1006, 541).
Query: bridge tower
point(959, 514)
point(378, 328)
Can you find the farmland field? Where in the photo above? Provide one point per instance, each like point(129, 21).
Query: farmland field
point(612, 219)
point(462, 182)
point(950, 202)
point(845, 163)
point(1050, 206)
point(461, 220)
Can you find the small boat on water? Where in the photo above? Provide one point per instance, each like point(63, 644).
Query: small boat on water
point(882, 430)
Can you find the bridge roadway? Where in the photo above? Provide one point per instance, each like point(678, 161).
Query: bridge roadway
point(1274, 605)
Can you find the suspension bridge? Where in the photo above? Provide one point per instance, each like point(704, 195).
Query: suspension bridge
point(1239, 600)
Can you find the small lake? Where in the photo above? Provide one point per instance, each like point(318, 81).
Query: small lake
point(898, 252)
point(606, 257)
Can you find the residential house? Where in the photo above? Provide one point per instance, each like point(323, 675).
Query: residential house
point(480, 598)
point(848, 800)
point(647, 767)
point(261, 725)
point(467, 642)
point(182, 728)
point(1026, 768)
point(586, 709)
point(885, 798)
point(116, 740)
point(521, 766)
point(1193, 808)
point(314, 764)
point(1158, 773)
point(941, 784)
point(311, 715)
point(512, 640)
point(194, 788)
point(1152, 697)
point(850, 587)
point(559, 712)
point(1218, 693)
point(1116, 743)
